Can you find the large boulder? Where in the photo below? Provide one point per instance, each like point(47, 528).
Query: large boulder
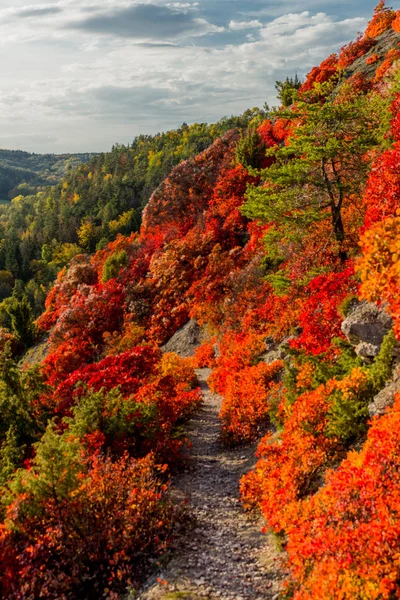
point(365, 327)
point(185, 341)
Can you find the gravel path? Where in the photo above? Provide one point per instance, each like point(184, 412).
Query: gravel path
point(224, 556)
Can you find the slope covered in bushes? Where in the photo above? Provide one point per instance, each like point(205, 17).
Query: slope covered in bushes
point(268, 240)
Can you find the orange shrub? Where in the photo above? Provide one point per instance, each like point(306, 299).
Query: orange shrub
point(344, 541)
point(396, 22)
point(179, 368)
point(326, 70)
point(237, 351)
point(379, 266)
point(291, 463)
point(391, 57)
point(204, 355)
point(354, 50)
point(246, 403)
point(282, 129)
point(372, 59)
point(381, 20)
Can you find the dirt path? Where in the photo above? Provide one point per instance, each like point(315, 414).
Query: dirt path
point(225, 556)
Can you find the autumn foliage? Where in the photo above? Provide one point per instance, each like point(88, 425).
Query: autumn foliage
point(396, 22)
point(354, 50)
point(89, 541)
point(86, 501)
point(381, 20)
point(344, 540)
point(326, 70)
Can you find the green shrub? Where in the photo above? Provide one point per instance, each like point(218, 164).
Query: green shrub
point(113, 265)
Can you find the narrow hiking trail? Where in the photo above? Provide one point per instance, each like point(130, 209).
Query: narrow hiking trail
point(225, 555)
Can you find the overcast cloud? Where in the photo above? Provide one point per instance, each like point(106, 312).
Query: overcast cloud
point(80, 75)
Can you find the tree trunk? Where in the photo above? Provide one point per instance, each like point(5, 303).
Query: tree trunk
point(338, 229)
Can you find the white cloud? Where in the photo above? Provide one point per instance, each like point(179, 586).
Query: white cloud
point(50, 89)
point(242, 25)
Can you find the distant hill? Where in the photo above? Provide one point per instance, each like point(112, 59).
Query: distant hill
point(22, 173)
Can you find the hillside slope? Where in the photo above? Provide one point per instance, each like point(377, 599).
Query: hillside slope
point(283, 245)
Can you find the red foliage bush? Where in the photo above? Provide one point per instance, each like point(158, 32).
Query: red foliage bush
point(79, 272)
point(204, 355)
point(371, 60)
point(382, 195)
point(319, 317)
point(223, 217)
point(91, 543)
point(326, 70)
point(178, 204)
point(266, 132)
point(127, 371)
point(396, 22)
point(282, 130)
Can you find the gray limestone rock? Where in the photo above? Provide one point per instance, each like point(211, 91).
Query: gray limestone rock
point(365, 327)
point(366, 350)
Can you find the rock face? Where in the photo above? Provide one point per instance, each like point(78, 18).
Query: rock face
point(35, 355)
point(365, 327)
point(385, 398)
point(386, 41)
point(185, 341)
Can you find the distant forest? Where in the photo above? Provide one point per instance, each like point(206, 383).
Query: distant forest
point(23, 173)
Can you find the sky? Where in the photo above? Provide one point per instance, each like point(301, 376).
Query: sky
point(81, 75)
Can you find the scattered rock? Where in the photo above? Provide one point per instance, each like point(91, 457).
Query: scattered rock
point(385, 398)
point(274, 355)
point(275, 351)
point(366, 350)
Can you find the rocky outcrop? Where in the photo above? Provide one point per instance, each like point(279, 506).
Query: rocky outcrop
point(365, 327)
point(386, 397)
point(383, 43)
point(185, 341)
